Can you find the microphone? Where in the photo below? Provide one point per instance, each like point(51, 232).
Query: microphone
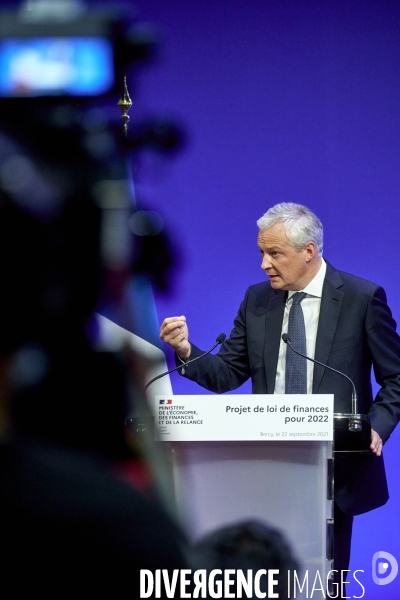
point(355, 422)
point(221, 338)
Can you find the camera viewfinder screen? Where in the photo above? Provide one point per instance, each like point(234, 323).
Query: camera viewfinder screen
point(70, 66)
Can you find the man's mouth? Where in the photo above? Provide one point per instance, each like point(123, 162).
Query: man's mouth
point(274, 279)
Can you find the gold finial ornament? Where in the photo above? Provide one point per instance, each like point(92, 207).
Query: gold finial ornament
point(125, 103)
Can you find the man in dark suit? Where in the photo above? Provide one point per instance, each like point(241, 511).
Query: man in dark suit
point(348, 326)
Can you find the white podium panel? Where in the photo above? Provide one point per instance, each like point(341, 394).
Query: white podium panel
point(281, 483)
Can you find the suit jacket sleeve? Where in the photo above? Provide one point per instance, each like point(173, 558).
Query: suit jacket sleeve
point(384, 345)
point(229, 368)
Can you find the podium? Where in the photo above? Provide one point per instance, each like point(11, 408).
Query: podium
point(231, 461)
point(260, 457)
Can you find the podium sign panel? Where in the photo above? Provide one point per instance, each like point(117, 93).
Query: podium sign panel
point(261, 417)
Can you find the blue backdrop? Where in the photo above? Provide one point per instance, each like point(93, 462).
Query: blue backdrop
point(281, 101)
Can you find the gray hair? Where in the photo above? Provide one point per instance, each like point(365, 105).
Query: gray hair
point(301, 224)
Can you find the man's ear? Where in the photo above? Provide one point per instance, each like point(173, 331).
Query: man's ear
point(311, 251)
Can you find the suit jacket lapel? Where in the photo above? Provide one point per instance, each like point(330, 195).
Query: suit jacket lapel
point(273, 329)
point(331, 303)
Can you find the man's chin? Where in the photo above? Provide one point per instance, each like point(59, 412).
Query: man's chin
point(276, 283)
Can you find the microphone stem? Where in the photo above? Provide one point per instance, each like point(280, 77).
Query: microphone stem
point(182, 365)
point(354, 407)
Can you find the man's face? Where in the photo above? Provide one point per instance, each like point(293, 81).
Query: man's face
point(286, 268)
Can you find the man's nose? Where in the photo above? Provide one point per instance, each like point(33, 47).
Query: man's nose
point(266, 263)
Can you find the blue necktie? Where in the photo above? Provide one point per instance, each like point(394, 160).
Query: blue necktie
point(296, 366)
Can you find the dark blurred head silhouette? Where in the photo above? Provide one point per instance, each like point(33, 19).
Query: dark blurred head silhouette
point(247, 545)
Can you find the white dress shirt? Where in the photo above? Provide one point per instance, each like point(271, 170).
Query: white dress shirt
point(311, 306)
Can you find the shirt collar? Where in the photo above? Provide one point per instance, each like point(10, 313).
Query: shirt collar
point(314, 288)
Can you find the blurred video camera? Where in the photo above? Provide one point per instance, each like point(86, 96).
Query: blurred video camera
point(71, 235)
point(62, 49)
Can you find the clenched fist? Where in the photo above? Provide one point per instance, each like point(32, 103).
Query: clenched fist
point(174, 331)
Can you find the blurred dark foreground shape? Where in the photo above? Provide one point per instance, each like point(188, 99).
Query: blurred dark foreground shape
point(70, 524)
